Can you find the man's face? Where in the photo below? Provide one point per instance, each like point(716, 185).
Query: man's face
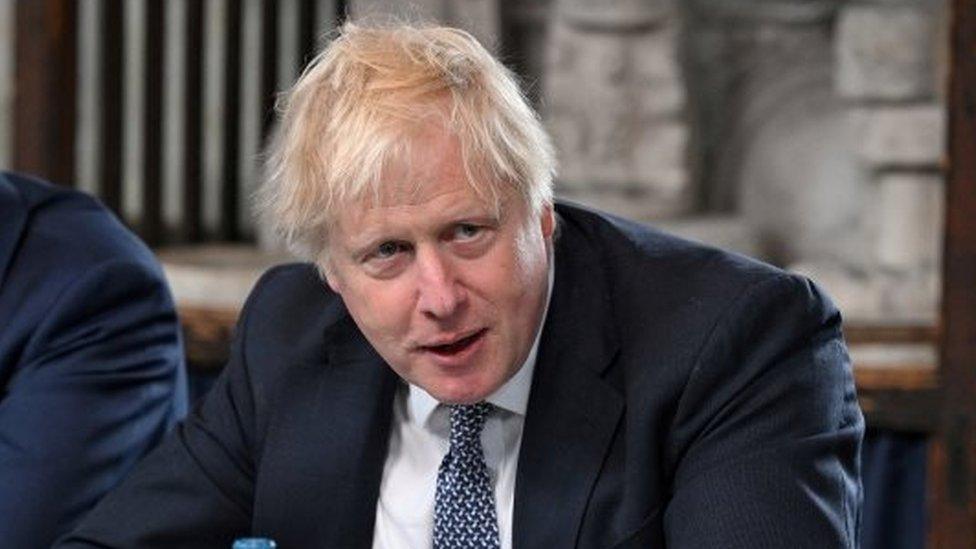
point(449, 293)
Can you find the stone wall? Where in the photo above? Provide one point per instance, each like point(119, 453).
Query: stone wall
point(774, 143)
point(614, 101)
point(808, 133)
point(889, 72)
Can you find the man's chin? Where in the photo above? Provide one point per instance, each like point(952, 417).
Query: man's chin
point(459, 397)
point(458, 392)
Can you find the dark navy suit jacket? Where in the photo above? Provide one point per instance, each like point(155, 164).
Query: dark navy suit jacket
point(683, 397)
point(91, 369)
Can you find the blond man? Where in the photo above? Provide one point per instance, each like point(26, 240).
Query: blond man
point(464, 362)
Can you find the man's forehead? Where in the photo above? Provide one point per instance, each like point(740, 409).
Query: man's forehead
point(426, 157)
point(395, 197)
point(429, 167)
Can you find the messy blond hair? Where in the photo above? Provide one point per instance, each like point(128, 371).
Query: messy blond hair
point(350, 115)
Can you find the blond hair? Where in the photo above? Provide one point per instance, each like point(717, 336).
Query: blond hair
point(350, 115)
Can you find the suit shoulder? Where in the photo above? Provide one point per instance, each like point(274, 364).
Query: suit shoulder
point(82, 230)
point(288, 286)
point(66, 239)
point(662, 288)
point(291, 308)
point(288, 275)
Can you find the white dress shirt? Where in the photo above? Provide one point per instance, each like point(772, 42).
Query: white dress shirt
point(419, 440)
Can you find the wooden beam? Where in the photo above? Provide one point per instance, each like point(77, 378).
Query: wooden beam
point(193, 124)
point(953, 479)
point(906, 410)
point(855, 333)
point(44, 89)
point(111, 100)
point(269, 65)
point(151, 224)
point(307, 30)
point(897, 377)
point(207, 333)
point(229, 226)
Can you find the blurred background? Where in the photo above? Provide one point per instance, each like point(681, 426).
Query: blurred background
point(809, 133)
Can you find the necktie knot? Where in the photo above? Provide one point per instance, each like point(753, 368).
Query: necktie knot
point(467, 422)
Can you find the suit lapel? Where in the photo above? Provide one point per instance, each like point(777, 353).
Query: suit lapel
point(13, 216)
point(344, 441)
point(572, 413)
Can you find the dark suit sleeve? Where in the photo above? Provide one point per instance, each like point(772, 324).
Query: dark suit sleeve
point(97, 383)
point(196, 489)
point(767, 432)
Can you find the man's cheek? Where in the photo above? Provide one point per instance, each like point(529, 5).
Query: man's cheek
point(386, 325)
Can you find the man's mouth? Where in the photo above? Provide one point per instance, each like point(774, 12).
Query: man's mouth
point(455, 347)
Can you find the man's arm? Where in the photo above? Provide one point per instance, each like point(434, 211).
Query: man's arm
point(768, 429)
point(97, 384)
point(196, 488)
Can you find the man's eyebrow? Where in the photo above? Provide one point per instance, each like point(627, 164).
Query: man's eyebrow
point(482, 212)
point(479, 218)
point(367, 243)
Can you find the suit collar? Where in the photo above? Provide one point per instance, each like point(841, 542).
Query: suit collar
point(357, 369)
point(346, 443)
point(573, 413)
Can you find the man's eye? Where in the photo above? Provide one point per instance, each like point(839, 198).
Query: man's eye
point(466, 231)
point(387, 250)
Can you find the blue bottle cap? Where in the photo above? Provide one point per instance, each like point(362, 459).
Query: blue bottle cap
point(254, 543)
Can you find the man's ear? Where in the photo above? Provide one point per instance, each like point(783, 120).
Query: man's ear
point(330, 276)
point(547, 221)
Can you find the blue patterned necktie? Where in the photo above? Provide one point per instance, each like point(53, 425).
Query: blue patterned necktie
point(464, 508)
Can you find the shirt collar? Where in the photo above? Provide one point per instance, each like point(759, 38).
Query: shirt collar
point(512, 396)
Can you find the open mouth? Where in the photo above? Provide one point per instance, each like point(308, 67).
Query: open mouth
point(456, 347)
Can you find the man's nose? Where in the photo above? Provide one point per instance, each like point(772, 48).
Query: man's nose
point(440, 294)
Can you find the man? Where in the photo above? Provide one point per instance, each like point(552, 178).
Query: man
point(91, 368)
point(468, 365)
